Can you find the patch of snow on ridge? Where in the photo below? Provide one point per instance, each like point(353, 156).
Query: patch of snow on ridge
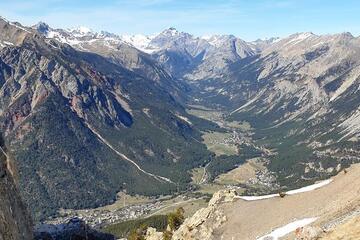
point(80, 31)
point(310, 187)
point(139, 41)
point(83, 29)
point(8, 43)
point(288, 228)
point(255, 198)
point(291, 192)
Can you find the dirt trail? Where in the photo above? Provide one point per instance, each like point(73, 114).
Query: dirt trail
point(252, 219)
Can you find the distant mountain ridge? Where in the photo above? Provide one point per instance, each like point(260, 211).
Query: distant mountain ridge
point(180, 53)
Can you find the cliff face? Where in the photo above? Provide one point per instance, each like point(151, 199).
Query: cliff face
point(15, 223)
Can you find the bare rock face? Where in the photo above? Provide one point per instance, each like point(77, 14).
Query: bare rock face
point(15, 223)
point(308, 233)
point(202, 224)
point(152, 234)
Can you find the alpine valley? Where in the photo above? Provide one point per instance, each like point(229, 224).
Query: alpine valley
point(88, 115)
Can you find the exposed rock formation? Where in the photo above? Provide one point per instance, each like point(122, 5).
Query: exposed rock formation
point(308, 233)
point(152, 234)
point(202, 224)
point(15, 223)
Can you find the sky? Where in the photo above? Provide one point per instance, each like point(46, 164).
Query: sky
point(247, 19)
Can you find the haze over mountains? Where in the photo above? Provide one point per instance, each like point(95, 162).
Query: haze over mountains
point(87, 114)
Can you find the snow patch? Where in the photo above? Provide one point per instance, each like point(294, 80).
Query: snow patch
point(291, 192)
point(8, 43)
point(80, 31)
point(83, 30)
point(309, 188)
point(288, 228)
point(255, 198)
point(140, 42)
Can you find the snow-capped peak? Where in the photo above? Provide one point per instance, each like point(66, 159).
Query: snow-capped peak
point(139, 41)
point(171, 32)
point(218, 40)
point(41, 27)
point(81, 30)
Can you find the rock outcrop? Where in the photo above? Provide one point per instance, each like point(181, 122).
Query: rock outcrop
point(152, 234)
point(308, 233)
point(202, 224)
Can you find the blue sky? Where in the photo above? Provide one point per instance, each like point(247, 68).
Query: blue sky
point(248, 19)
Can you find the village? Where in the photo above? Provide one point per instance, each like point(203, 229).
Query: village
point(97, 218)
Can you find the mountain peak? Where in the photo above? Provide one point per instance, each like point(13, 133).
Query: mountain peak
point(347, 34)
point(171, 32)
point(81, 30)
point(41, 27)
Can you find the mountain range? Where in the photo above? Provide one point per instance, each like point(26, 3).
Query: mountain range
point(88, 114)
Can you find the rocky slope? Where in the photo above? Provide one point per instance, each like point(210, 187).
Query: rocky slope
point(116, 49)
point(333, 210)
point(197, 58)
point(15, 223)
